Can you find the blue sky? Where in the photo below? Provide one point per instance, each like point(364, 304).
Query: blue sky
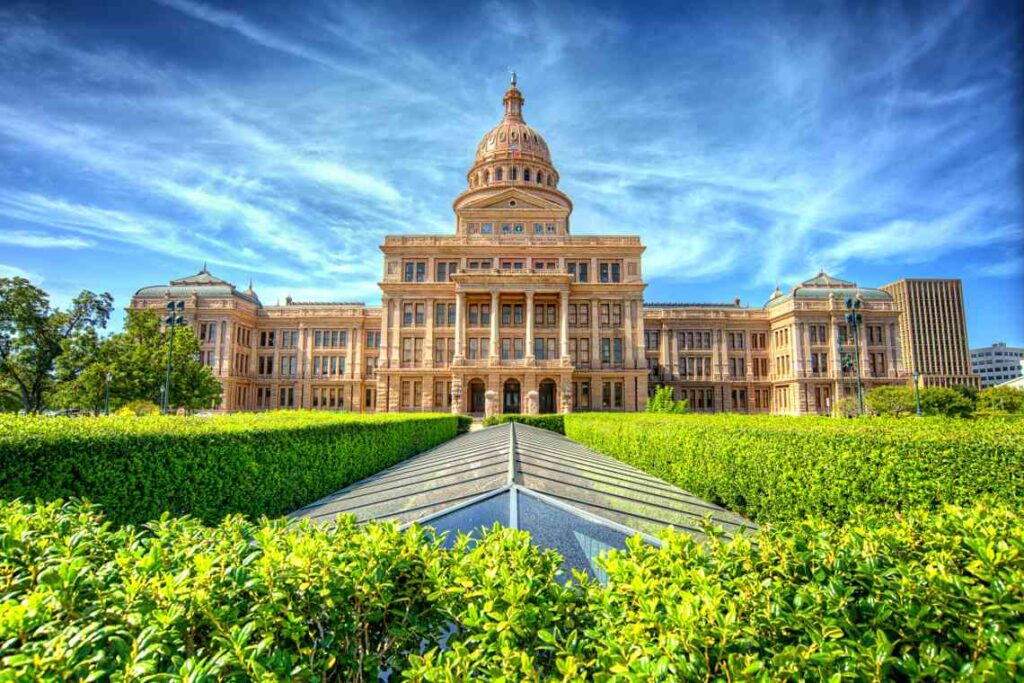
point(748, 143)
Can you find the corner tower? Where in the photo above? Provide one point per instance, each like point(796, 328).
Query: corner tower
point(512, 184)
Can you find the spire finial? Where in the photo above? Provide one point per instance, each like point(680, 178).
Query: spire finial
point(204, 270)
point(513, 78)
point(250, 284)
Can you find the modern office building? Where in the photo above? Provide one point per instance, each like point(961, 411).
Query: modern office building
point(517, 312)
point(997, 363)
point(933, 331)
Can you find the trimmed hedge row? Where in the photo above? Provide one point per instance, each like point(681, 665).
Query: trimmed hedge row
point(253, 464)
point(773, 468)
point(936, 596)
point(552, 422)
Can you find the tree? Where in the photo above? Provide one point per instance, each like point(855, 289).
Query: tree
point(664, 401)
point(135, 362)
point(946, 402)
point(1001, 399)
point(33, 335)
point(890, 400)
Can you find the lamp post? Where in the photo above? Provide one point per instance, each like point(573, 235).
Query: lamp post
point(173, 319)
point(853, 318)
point(917, 393)
point(106, 393)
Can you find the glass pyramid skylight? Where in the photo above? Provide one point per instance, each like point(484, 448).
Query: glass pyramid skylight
point(568, 497)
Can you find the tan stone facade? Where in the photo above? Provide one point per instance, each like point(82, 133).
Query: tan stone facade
point(515, 313)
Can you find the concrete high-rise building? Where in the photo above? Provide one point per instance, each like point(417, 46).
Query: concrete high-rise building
point(933, 330)
point(997, 363)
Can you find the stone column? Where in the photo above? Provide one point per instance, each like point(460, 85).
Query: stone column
point(639, 343)
point(894, 349)
point(673, 354)
point(357, 356)
point(563, 326)
point(385, 333)
point(798, 349)
point(494, 356)
point(460, 324)
point(627, 334)
point(395, 353)
point(428, 336)
point(353, 344)
point(748, 339)
point(217, 363)
point(663, 362)
point(530, 357)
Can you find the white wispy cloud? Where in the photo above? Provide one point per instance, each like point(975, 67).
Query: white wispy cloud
point(39, 240)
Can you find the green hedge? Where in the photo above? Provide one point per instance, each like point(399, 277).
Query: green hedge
point(774, 468)
point(254, 464)
point(552, 423)
point(924, 597)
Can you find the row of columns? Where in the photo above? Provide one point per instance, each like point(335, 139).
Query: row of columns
point(460, 324)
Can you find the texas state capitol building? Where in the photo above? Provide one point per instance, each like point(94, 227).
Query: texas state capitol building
point(515, 313)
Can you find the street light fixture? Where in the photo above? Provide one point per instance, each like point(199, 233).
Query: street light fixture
point(173, 319)
point(854, 318)
point(106, 390)
point(917, 392)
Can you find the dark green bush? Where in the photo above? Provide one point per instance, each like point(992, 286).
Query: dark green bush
point(553, 423)
point(464, 422)
point(253, 464)
point(923, 597)
point(774, 468)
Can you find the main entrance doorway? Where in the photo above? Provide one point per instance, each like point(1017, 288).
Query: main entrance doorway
point(510, 404)
point(476, 396)
point(547, 397)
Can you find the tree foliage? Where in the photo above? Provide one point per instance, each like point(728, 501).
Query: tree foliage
point(890, 400)
point(1001, 400)
point(664, 401)
point(34, 334)
point(132, 365)
point(945, 402)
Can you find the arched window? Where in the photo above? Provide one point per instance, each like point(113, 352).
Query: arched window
point(526, 175)
point(487, 176)
point(513, 176)
point(498, 175)
point(540, 178)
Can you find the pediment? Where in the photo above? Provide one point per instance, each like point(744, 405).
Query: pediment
point(513, 198)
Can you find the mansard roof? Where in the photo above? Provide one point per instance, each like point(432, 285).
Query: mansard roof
point(203, 284)
point(823, 286)
point(568, 497)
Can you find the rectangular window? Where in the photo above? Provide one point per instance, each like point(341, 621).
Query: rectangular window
point(474, 315)
point(439, 315)
point(420, 316)
point(442, 272)
point(584, 315)
point(616, 315)
point(572, 315)
point(451, 315)
point(485, 314)
point(407, 312)
point(606, 350)
point(506, 314)
point(517, 314)
point(506, 348)
point(517, 348)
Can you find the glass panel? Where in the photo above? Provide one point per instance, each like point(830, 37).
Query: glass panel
point(579, 541)
point(472, 518)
